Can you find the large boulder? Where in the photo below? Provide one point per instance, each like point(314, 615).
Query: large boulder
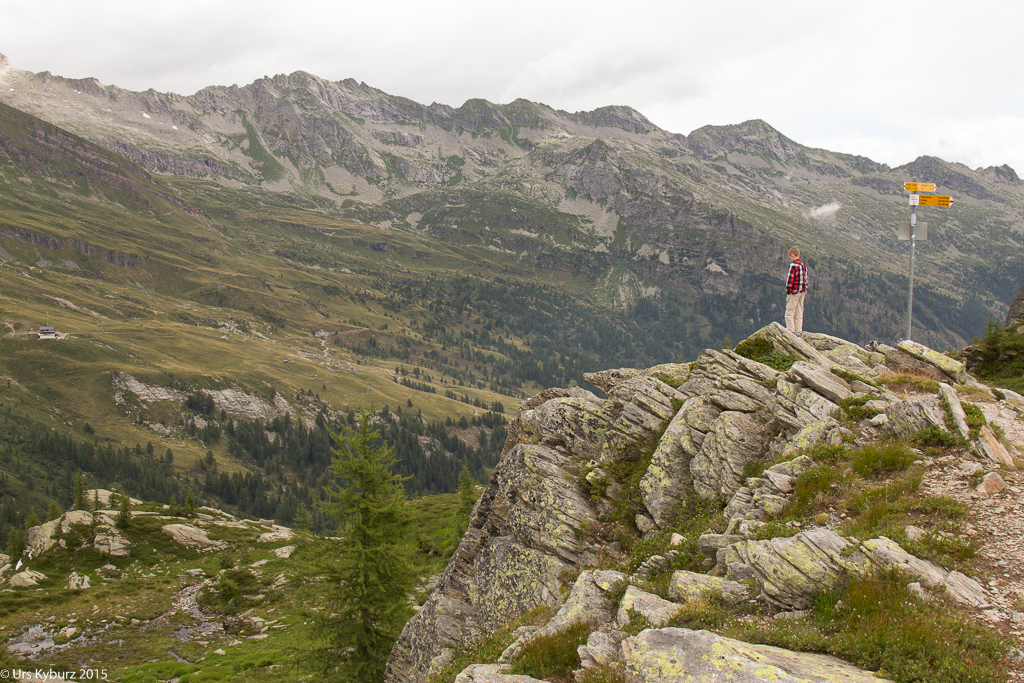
point(690, 586)
point(790, 571)
point(953, 369)
point(885, 552)
point(673, 655)
point(186, 534)
point(26, 579)
point(656, 611)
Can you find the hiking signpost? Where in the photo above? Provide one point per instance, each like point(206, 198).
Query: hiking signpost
point(914, 231)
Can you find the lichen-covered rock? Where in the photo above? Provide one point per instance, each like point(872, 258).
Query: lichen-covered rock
point(953, 369)
point(672, 374)
point(905, 419)
point(885, 552)
point(790, 571)
point(824, 382)
point(574, 424)
point(587, 604)
point(789, 344)
point(686, 586)
point(899, 361)
point(547, 509)
point(655, 610)
point(641, 407)
point(40, 538)
point(526, 535)
point(675, 655)
point(737, 438)
point(956, 410)
point(809, 436)
point(602, 650)
point(988, 446)
point(606, 379)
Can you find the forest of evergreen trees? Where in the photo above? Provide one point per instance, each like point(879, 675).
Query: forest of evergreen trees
point(288, 466)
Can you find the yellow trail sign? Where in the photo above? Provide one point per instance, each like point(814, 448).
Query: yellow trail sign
point(934, 200)
point(919, 187)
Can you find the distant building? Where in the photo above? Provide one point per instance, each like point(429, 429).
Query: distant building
point(47, 332)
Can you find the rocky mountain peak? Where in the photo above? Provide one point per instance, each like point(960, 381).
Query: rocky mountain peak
point(753, 136)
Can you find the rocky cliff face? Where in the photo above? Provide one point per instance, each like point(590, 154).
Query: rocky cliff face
point(542, 528)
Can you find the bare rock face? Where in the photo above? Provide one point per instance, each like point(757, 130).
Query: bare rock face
point(234, 403)
point(186, 534)
point(529, 528)
point(78, 582)
point(675, 654)
point(1015, 316)
point(26, 579)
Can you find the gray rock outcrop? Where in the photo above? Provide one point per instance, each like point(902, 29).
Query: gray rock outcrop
point(698, 427)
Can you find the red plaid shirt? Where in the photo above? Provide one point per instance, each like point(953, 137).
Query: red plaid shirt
point(797, 281)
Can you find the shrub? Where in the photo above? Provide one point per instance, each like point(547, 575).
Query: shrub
point(935, 437)
point(854, 408)
point(827, 452)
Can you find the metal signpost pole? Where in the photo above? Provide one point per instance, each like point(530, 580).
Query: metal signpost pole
point(913, 230)
point(910, 295)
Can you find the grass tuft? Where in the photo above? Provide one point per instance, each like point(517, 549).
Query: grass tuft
point(553, 657)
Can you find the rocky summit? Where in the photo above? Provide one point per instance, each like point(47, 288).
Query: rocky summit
point(737, 433)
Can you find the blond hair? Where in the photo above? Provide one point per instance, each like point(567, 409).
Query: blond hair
point(795, 251)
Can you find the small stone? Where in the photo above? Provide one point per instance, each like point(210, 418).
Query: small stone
point(914, 533)
point(676, 540)
point(879, 420)
point(219, 651)
point(991, 484)
point(644, 523)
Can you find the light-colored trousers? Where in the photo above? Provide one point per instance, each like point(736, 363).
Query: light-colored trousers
point(795, 312)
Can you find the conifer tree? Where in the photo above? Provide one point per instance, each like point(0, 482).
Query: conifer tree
point(467, 492)
point(371, 575)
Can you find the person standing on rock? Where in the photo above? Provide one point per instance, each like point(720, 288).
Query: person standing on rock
point(796, 287)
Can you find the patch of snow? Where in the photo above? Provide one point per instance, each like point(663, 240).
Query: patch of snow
point(715, 268)
point(145, 115)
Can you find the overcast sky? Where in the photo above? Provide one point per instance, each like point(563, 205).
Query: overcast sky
point(890, 81)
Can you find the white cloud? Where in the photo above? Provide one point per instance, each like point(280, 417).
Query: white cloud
point(826, 211)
